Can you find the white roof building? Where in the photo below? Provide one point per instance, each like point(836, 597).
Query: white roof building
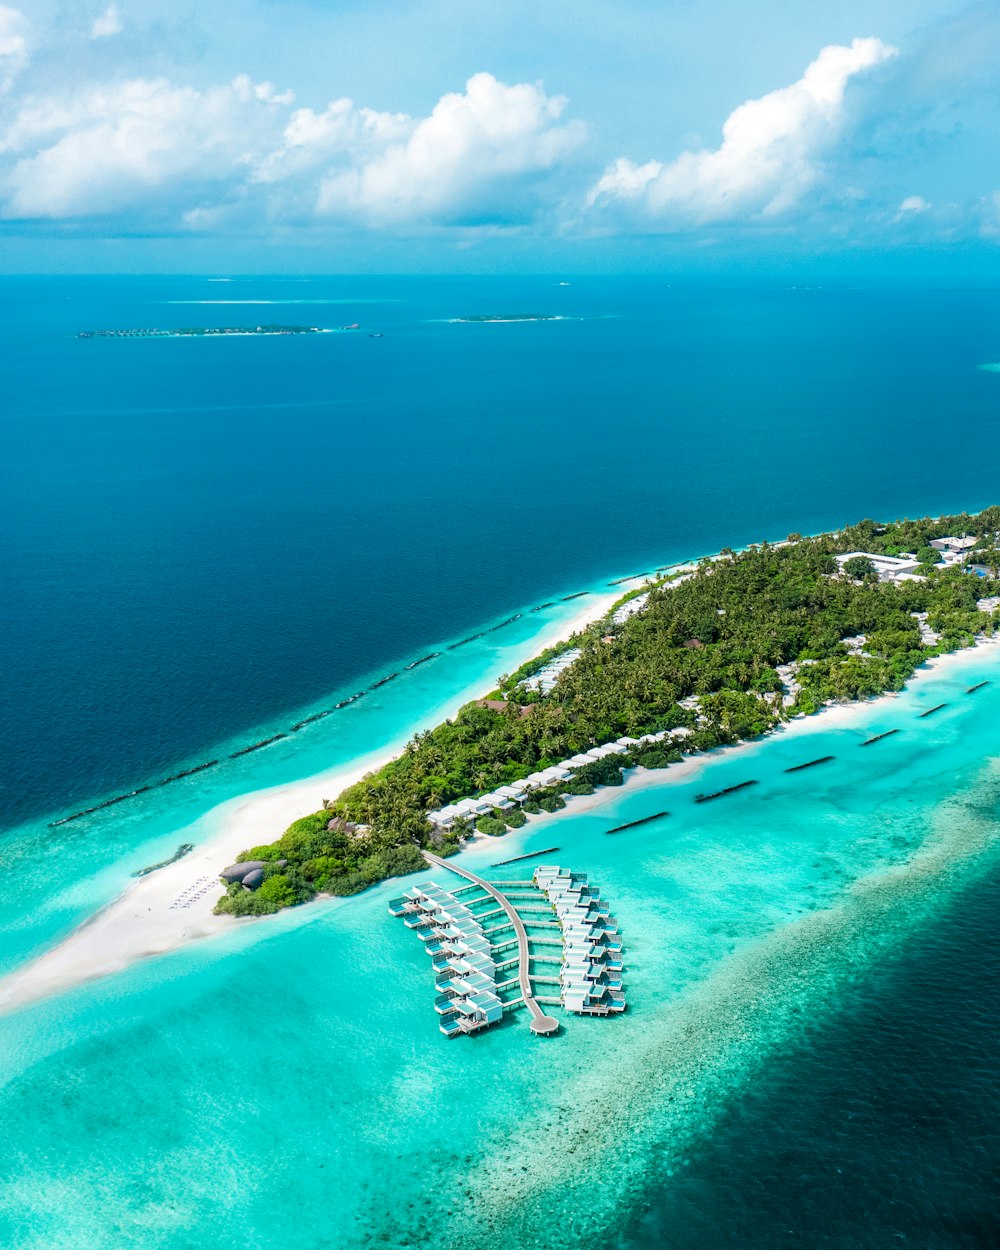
point(888, 568)
point(956, 545)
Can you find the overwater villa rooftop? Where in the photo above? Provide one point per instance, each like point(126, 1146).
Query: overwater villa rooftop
point(480, 947)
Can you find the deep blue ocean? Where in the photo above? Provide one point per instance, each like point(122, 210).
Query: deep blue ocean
point(204, 540)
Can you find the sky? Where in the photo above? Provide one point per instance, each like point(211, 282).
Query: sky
point(678, 136)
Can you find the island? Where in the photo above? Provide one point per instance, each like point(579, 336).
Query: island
point(697, 658)
point(208, 332)
point(492, 317)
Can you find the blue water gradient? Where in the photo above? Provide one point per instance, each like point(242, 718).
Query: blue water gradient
point(201, 537)
point(287, 1086)
point(203, 542)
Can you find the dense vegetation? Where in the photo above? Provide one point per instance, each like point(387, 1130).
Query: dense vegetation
point(718, 636)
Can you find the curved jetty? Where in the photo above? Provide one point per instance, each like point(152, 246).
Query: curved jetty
point(978, 686)
point(468, 960)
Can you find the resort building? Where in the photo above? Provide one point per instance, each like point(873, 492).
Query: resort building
point(471, 942)
point(506, 797)
point(954, 546)
point(888, 568)
point(546, 678)
point(461, 955)
point(630, 608)
point(591, 973)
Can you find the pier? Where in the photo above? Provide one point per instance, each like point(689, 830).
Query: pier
point(541, 1024)
point(558, 913)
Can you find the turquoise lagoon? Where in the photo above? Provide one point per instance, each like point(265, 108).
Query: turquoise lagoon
point(204, 542)
point(287, 1086)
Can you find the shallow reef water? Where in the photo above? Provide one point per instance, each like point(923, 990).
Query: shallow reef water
point(287, 1086)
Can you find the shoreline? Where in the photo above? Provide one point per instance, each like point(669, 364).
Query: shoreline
point(832, 716)
point(172, 907)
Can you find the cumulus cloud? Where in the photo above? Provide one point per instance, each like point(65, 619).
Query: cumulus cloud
point(476, 156)
point(457, 162)
point(772, 152)
point(111, 147)
point(109, 23)
point(13, 46)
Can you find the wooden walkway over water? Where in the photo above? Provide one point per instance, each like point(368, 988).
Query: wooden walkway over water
point(540, 1022)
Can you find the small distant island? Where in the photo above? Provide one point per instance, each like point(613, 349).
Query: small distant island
point(481, 317)
point(698, 657)
point(188, 332)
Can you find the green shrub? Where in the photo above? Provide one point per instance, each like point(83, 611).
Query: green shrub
point(278, 890)
point(553, 803)
point(515, 819)
point(491, 826)
point(259, 852)
point(577, 787)
point(654, 759)
point(606, 772)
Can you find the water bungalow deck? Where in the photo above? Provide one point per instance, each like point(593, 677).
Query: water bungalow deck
point(470, 960)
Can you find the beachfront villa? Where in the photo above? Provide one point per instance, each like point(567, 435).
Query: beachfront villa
point(555, 919)
point(505, 797)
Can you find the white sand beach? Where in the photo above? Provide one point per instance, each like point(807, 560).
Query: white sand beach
point(173, 905)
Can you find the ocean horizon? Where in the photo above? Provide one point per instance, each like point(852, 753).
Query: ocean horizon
point(249, 532)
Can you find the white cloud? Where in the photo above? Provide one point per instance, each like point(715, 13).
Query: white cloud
point(111, 147)
point(109, 23)
point(913, 205)
point(458, 160)
point(195, 153)
point(13, 46)
point(772, 151)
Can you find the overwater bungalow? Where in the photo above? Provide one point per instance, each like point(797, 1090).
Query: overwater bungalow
point(590, 976)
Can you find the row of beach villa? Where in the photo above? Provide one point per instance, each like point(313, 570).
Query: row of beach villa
point(506, 797)
point(492, 952)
